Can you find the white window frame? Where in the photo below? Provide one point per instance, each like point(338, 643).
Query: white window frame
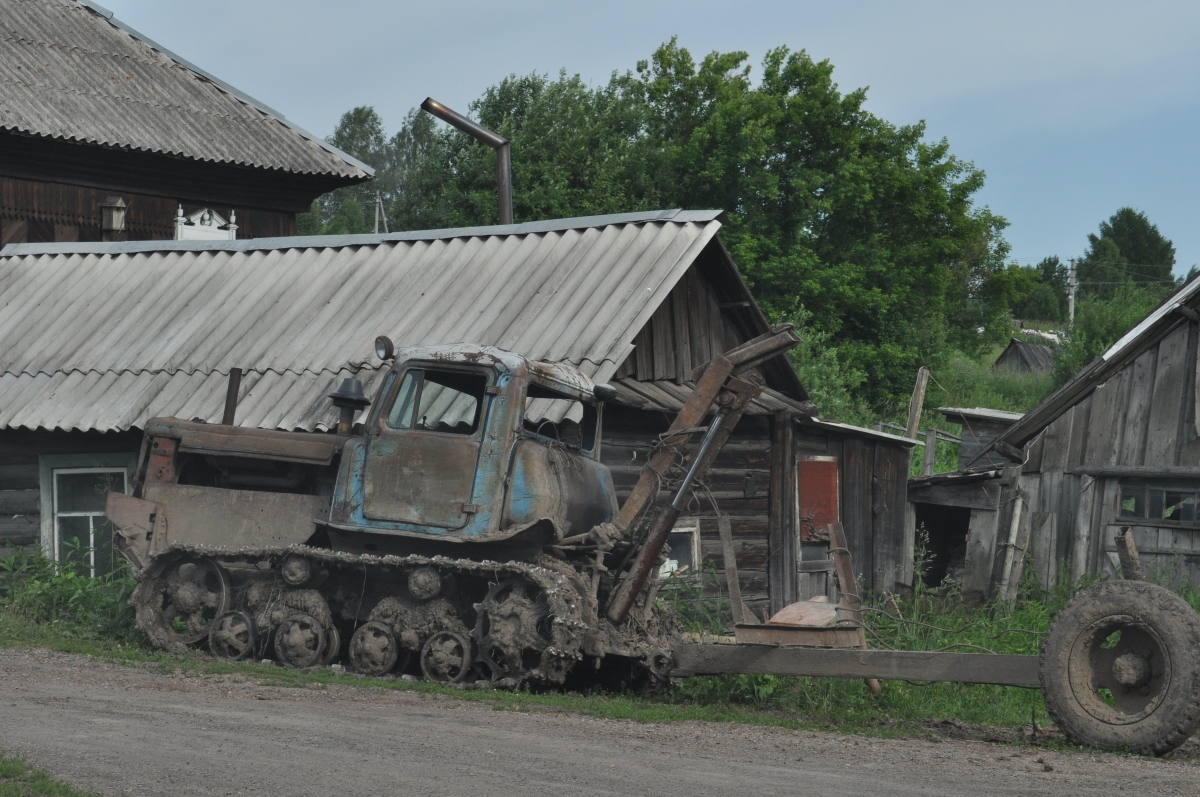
point(689, 526)
point(49, 465)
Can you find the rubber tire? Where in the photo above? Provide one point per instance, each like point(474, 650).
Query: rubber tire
point(1177, 715)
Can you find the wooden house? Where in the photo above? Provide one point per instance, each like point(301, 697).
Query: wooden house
point(1116, 447)
point(106, 135)
point(97, 338)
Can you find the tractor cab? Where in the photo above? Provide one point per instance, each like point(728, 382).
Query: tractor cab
point(471, 444)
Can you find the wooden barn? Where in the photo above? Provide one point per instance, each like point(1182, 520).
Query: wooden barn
point(107, 135)
point(97, 338)
point(1116, 447)
point(1024, 357)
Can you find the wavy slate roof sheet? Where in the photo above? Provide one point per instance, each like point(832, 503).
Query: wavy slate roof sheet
point(73, 72)
point(105, 336)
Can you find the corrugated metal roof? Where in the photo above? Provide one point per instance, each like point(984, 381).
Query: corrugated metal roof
point(983, 413)
point(90, 340)
point(1173, 311)
point(74, 72)
point(668, 396)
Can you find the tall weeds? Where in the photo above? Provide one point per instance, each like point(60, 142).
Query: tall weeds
point(35, 590)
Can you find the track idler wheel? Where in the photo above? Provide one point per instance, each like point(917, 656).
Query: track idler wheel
point(373, 649)
point(233, 636)
point(511, 629)
point(177, 604)
point(1120, 668)
point(446, 657)
point(300, 641)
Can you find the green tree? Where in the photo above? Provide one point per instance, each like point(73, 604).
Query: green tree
point(867, 225)
point(1129, 249)
point(1099, 323)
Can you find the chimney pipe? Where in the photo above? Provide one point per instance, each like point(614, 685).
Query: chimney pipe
point(231, 396)
point(491, 139)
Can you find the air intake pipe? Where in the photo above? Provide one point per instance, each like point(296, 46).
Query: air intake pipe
point(483, 136)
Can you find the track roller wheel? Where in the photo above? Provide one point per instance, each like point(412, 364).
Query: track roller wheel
point(1120, 668)
point(373, 649)
point(333, 646)
point(232, 636)
point(300, 640)
point(446, 657)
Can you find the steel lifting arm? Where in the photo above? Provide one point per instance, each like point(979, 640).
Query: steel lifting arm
point(721, 385)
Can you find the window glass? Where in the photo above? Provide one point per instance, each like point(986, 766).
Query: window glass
point(1133, 501)
point(1172, 505)
point(82, 533)
point(401, 416)
point(439, 401)
point(684, 544)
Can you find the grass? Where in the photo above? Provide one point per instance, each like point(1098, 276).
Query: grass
point(927, 620)
point(18, 779)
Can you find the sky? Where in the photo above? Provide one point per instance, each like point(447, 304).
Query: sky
point(1072, 109)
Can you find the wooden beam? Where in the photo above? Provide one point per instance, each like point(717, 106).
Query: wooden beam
point(781, 537)
point(1139, 472)
point(917, 403)
point(731, 572)
point(930, 451)
point(693, 658)
point(969, 495)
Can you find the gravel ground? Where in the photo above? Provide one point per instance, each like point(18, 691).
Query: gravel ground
point(124, 730)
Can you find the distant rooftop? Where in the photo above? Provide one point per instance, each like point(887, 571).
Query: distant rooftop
point(980, 413)
point(75, 73)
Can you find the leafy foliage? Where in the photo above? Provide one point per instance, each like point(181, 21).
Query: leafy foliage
point(1099, 323)
point(1128, 250)
point(41, 591)
point(866, 224)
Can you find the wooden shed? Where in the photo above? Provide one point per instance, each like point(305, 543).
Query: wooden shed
point(105, 134)
point(637, 300)
point(1116, 447)
point(1023, 357)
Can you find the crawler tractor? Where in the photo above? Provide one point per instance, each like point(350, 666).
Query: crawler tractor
point(466, 529)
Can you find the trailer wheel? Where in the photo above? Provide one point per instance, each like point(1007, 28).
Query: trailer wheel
point(1120, 668)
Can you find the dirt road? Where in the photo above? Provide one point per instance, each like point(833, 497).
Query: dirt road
point(122, 730)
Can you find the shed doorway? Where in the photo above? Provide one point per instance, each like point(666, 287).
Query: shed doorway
point(946, 528)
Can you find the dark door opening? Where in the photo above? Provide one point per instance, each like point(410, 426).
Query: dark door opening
point(946, 546)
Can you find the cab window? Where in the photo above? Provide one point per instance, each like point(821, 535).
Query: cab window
point(434, 400)
point(560, 418)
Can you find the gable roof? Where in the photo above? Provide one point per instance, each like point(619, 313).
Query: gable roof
point(73, 72)
point(1023, 354)
point(1180, 308)
point(105, 336)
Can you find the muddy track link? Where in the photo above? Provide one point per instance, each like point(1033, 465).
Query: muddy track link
point(184, 589)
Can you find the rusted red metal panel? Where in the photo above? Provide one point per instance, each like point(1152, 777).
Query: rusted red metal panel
point(819, 505)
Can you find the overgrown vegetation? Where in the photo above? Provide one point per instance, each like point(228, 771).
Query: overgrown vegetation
point(61, 598)
point(45, 605)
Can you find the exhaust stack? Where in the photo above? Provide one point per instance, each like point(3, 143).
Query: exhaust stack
point(491, 139)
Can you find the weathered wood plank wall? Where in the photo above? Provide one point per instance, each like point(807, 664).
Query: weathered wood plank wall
point(1137, 427)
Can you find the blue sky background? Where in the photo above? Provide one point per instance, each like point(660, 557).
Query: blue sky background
point(1072, 109)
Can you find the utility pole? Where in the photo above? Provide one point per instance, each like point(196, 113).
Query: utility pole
point(379, 214)
point(1071, 295)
